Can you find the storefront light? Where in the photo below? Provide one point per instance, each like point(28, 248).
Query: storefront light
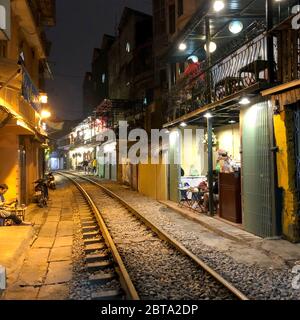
point(219, 5)
point(45, 114)
point(208, 115)
point(43, 97)
point(212, 47)
point(296, 9)
point(182, 46)
point(236, 27)
point(232, 121)
point(244, 101)
point(183, 124)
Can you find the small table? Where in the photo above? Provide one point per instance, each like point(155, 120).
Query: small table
point(255, 68)
point(20, 212)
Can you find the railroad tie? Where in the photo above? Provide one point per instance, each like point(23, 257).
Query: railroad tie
point(108, 295)
point(98, 266)
point(94, 247)
point(102, 278)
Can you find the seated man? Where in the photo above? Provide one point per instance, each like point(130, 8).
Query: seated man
point(215, 192)
point(4, 212)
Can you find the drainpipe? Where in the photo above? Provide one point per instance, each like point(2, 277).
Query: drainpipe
point(210, 165)
point(209, 120)
point(270, 43)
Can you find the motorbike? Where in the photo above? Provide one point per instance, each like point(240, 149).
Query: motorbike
point(41, 193)
point(51, 181)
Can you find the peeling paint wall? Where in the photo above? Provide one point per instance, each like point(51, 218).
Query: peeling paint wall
point(284, 128)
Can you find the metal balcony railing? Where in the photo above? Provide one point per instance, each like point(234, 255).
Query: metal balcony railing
point(242, 69)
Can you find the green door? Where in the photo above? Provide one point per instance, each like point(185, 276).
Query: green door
point(258, 171)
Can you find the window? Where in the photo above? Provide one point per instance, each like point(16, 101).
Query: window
point(3, 49)
point(2, 17)
point(180, 8)
point(172, 19)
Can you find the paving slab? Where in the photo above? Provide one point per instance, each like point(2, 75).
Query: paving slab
point(65, 228)
point(13, 241)
point(38, 255)
point(63, 241)
point(19, 293)
point(43, 242)
point(54, 218)
point(59, 272)
point(54, 292)
point(32, 274)
point(61, 254)
point(48, 230)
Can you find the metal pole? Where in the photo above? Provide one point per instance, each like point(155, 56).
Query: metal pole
point(270, 44)
point(210, 165)
point(208, 58)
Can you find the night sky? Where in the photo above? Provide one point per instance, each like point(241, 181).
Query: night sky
point(79, 29)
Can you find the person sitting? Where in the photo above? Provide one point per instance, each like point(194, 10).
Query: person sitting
point(215, 192)
point(4, 208)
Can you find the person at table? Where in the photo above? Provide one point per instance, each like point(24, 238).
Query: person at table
point(215, 192)
point(4, 208)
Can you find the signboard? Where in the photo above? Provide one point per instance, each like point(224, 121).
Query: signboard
point(30, 92)
point(5, 27)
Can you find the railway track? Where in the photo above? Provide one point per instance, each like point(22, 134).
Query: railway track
point(149, 263)
point(108, 276)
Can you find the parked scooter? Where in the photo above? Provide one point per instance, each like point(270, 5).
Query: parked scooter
point(51, 181)
point(41, 193)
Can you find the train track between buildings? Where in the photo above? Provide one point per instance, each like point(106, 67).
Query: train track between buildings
point(150, 264)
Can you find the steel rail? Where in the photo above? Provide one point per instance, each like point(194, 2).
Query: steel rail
point(125, 280)
point(173, 242)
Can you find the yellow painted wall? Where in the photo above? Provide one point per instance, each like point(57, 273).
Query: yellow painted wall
point(229, 140)
point(9, 172)
point(152, 181)
point(284, 135)
point(13, 101)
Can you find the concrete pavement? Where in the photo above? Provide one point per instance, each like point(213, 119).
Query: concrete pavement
point(45, 269)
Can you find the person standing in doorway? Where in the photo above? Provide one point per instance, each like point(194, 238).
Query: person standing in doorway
point(94, 165)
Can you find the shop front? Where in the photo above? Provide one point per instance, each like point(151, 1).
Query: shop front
point(81, 155)
point(237, 147)
point(107, 161)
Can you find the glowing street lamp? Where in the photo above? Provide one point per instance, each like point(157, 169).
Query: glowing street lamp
point(45, 114)
point(43, 98)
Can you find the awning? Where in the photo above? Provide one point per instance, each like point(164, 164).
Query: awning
point(9, 73)
point(5, 116)
point(19, 127)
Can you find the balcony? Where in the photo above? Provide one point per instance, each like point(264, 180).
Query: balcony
point(246, 70)
point(240, 64)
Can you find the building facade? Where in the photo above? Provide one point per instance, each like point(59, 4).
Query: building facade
point(243, 94)
point(23, 67)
